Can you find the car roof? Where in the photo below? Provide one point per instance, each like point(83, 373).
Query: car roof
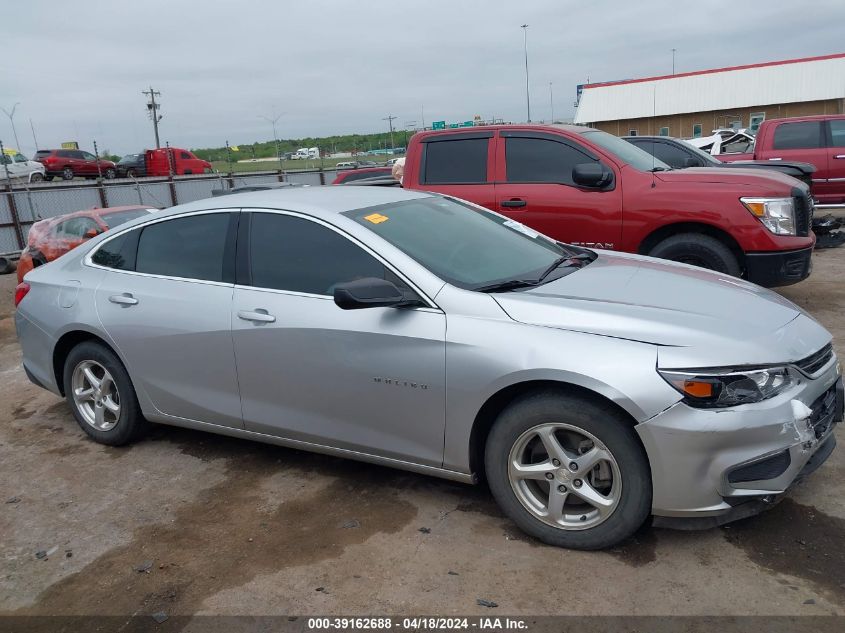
point(573, 129)
point(321, 201)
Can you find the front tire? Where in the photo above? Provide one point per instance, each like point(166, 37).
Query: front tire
point(698, 250)
point(67, 173)
point(110, 174)
point(36, 177)
point(101, 396)
point(569, 471)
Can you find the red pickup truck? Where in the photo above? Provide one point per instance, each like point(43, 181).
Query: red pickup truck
point(587, 187)
point(181, 161)
point(818, 140)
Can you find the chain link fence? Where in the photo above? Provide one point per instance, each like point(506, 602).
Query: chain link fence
point(21, 205)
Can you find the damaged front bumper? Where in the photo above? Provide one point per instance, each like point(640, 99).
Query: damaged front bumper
point(712, 466)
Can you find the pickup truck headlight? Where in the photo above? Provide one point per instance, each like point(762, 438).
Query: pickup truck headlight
point(714, 388)
point(776, 214)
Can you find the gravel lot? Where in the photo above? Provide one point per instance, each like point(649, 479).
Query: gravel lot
point(223, 526)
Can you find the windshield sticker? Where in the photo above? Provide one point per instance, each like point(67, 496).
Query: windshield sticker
point(376, 218)
point(516, 226)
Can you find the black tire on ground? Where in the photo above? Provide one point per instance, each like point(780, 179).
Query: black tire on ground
point(67, 173)
point(131, 423)
point(606, 424)
point(131, 172)
point(36, 177)
point(110, 174)
point(699, 250)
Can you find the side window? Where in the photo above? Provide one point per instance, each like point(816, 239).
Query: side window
point(541, 160)
point(87, 156)
point(632, 132)
point(801, 135)
point(664, 131)
point(456, 161)
point(65, 153)
point(185, 155)
point(76, 227)
point(696, 130)
point(289, 253)
point(20, 158)
point(756, 119)
point(837, 132)
point(671, 155)
point(119, 252)
point(193, 247)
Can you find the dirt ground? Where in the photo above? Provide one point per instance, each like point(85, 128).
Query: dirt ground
point(189, 523)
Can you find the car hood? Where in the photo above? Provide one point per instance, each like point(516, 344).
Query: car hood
point(721, 320)
point(744, 177)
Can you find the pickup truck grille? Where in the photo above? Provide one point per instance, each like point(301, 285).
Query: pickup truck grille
point(814, 362)
point(803, 212)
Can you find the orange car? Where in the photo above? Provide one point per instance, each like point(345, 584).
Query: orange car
point(51, 238)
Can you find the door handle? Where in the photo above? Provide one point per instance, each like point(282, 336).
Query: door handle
point(125, 299)
point(258, 315)
point(514, 202)
point(840, 156)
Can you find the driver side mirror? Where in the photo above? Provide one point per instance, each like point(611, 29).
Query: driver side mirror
point(369, 292)
point(691, 162)
point(593, 175)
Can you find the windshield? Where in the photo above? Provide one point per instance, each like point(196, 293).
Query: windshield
point(115, 219)
point(469, 247)
point(625, 151)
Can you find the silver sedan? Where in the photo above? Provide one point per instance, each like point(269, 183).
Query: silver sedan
point(591, 389)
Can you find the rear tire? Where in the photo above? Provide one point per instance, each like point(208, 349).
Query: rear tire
point(101, 396)
point(110, 174)
point(554, 499)
point(699, 250)
point(67, 173)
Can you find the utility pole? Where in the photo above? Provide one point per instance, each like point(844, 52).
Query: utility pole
point(11, 116)
point(152, 109)
point(273, 122)
point(673, 60)
point(389, 118)
point(524, 28)
point(552, 101)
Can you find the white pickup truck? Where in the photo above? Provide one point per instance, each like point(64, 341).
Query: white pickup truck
point(16, 166)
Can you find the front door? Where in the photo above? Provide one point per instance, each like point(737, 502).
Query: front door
point(166, 303)
point(535, 187)
point(802, 141)
point(371, 380)
point(834, 189)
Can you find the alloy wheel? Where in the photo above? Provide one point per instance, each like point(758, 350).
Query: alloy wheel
point(564, 476)
point(95, 395)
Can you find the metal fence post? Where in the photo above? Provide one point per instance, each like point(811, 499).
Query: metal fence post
point(100, 188)
point(172, 184)
point(322, 176)
point(13, 207)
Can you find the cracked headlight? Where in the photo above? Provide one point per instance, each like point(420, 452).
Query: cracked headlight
point(776, 214)
point(728, 388)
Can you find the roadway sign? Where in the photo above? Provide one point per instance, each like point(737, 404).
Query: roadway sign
point(438, 125)
point(467, 124)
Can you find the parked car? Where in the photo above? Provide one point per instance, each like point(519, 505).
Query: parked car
point(19, 167)
point(587, 187)
point(180, 162)
point(132, 166)
point(818, 140)
point(593, 389)
point(679, 154)
point(69, 163)
point(51, 238)
point(359, 174)
point(346, 165)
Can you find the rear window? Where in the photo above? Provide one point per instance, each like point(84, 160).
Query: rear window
point(456, 161)
point(800, 135)
point(42, 153)
point(118, 253)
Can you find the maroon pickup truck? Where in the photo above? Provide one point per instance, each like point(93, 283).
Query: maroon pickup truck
point(587, 187)
point(818, 140)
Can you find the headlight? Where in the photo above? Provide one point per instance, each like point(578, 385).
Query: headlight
point(714, 388)
point(776, 214)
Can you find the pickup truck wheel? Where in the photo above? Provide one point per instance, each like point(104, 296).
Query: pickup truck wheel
point(67, 173)
point(568, 471)
point(698, 250)
point(36, 177)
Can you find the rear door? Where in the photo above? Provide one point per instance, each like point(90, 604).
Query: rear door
point(370, 380)
point(534, 186)
point(166, 303)
point(834, 189)
point(461, 165)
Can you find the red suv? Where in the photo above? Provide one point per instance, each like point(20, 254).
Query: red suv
point(69, 163)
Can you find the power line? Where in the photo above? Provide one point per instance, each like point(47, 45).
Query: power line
point(390, 118)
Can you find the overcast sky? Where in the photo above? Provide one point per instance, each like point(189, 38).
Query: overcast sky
point(341, 66)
